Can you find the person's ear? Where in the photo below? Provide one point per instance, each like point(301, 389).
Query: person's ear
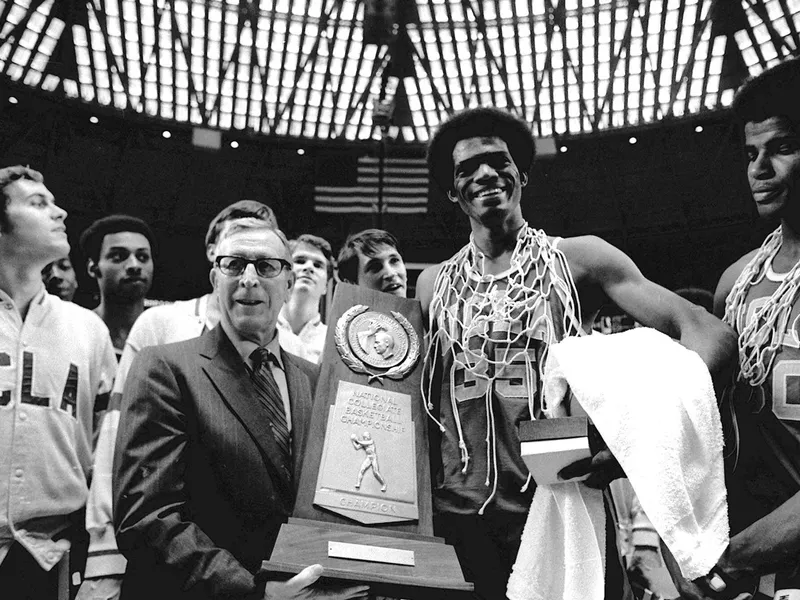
point(92, 269)
point(212, 277)
point(452, 196)
point(523, 178)
point(211, 252)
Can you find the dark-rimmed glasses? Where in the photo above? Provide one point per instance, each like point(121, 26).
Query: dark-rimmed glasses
point(233, 266)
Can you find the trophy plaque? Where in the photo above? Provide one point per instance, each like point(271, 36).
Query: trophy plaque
point(363, 507)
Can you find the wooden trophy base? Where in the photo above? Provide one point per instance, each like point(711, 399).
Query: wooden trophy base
point(394, 564)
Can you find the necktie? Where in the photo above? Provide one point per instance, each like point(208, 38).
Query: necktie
point(270, 395)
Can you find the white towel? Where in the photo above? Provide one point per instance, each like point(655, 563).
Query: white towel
point(653, 402)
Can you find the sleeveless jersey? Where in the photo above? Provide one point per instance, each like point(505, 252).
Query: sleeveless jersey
point(505, 355)
point(767, 467)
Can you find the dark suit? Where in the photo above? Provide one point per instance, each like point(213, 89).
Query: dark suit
point(198, 492)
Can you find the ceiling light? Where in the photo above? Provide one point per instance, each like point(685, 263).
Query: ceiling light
point(300, 151)
point(698, 129)
point(234, 144)
point(632, 140)
point(12, 100)
point(93, 119)
point(166, 134)
point(562, 149)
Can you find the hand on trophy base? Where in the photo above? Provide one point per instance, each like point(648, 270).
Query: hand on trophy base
point(305, 585)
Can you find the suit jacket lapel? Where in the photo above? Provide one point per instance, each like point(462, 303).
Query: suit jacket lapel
point(228, 374)
point(300, 402)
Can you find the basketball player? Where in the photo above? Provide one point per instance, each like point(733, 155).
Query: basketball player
point(56, 371)
point(371, 259)
point(493, 310)
point(758, 296)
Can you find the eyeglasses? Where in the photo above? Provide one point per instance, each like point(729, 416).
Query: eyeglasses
point(233, 266)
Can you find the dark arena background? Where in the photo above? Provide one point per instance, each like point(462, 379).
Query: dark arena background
point(171, 109)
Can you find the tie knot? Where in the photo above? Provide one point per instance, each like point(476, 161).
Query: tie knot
point(260, 356)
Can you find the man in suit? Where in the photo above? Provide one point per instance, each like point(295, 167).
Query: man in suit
point(211, 441)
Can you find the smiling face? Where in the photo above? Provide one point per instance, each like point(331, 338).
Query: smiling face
point(310, 270)
point(250, 304)
point(773, 170)
point(384, 271)
point(36, 229)
point(486, 182)
point(124, 270)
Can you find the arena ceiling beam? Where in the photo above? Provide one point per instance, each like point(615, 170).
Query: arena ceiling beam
point(301, 68)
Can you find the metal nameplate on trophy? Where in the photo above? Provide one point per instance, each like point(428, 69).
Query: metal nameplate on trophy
point(364, 506)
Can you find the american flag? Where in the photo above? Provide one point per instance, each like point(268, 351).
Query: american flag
point(405, 188)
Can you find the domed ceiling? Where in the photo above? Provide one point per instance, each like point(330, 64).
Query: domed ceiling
point(338, 69)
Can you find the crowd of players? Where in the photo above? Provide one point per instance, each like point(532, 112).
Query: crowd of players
point(173, 435)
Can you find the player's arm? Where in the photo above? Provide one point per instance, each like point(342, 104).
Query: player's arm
point(596, 263)
point(767, 545)
point(424, 293)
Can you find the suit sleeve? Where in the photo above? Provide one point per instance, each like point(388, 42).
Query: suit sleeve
point(149, 491)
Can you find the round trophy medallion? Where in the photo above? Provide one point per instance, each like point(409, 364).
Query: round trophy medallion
point(378, 340)
point(368, 339)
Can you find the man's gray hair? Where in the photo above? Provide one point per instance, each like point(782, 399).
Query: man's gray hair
point(254, 224)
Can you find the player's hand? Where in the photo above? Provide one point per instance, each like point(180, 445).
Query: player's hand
point(690, 591)
point(100, 588)
point(301, 587)
point(699, 590)
point(602, 468)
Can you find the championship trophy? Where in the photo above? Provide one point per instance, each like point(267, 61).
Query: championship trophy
point(363, 507)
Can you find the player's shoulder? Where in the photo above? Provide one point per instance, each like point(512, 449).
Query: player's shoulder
point(728, 279)
point(428, 275)
point(734, 270)
point(591, 258)
point(161, 312)
point(582, 245)
point(425, 285)
point(82, 318)
point(164, 315)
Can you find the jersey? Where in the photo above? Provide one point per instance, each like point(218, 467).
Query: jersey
point(308, 344)
point(488, 377)
point(768, 420)
point(56, 371)
point(764, 469)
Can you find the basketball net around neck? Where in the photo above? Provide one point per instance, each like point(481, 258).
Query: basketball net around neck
point(760, 338)
point(461, 314)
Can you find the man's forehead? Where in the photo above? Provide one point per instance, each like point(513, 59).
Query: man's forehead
point(772, 127)
point(381, 251)
point(303, 249)
point(125, 239)
point(470, 147)
point(261, 242)
point(23, 188)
